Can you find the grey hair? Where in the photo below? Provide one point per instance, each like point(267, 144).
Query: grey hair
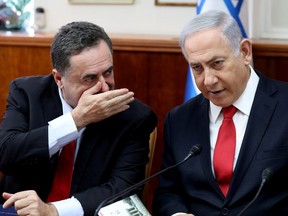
point(213, 19)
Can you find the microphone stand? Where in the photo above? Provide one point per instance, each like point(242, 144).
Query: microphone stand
point(195, 150)
point(266, 176)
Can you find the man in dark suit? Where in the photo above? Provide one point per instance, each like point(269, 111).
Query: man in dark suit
point(220, 59)
point(78, 101)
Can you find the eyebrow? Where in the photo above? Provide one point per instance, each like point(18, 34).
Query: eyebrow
point(110, 68)
point(89, 75)
point(215, 58)
point(207, 62)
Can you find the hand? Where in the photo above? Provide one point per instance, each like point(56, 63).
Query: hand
point(93, 106)
point(28, 203)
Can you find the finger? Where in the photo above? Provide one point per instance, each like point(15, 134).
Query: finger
point(118, 110)
point(122, 99)
point(94, 89)
point(9, 202)
point(14, 197)
point(109, 95)
point(6, 195)
point(24, 210)
point(120, 106)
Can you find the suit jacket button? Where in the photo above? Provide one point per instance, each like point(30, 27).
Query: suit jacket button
point(225, 211)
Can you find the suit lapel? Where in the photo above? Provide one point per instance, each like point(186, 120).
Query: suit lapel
point(260, 116)
point(88, 143)
point(51, 102)
point(203, 132)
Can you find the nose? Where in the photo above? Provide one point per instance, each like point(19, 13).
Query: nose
point(105, 86)
point(210, 79)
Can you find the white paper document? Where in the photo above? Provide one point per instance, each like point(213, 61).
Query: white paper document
point(130, 206)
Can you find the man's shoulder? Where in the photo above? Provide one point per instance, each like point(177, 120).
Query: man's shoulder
point(137, 113)
point(32, 81)
point(34, 86)
point(271, 86)
point(140, 108)
point(137, 110)
point(191, 104)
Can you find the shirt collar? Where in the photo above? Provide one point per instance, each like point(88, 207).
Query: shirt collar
point(66, 108)
point(244, 102)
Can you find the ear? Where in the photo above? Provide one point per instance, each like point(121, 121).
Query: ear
point(58, 78)
point(246, 51)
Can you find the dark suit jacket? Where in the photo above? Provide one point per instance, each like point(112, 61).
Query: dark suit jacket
point(112, 155)
point(192, 188)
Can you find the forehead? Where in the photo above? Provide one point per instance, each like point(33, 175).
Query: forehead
point(96, 59)
point(206, 44)
point(94, 54)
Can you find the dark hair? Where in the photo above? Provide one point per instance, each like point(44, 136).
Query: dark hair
point(72, 39)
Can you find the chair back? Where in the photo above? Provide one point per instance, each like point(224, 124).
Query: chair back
point(152, 144)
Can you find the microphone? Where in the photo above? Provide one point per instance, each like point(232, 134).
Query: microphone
point(266, 176)
point(195, 150)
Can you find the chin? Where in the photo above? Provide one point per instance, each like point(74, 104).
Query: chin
point(220, 103)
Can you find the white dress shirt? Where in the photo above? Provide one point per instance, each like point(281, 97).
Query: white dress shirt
point(243, 105)
point(61, 131)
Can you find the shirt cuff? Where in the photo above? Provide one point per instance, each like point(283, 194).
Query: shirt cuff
point(60, 132)
point(179, 213)
point(69, 207)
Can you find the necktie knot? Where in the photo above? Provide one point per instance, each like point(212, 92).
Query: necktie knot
point(229, 111)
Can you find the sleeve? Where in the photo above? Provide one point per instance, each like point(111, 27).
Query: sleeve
point(23, 144)
point(168, 199)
